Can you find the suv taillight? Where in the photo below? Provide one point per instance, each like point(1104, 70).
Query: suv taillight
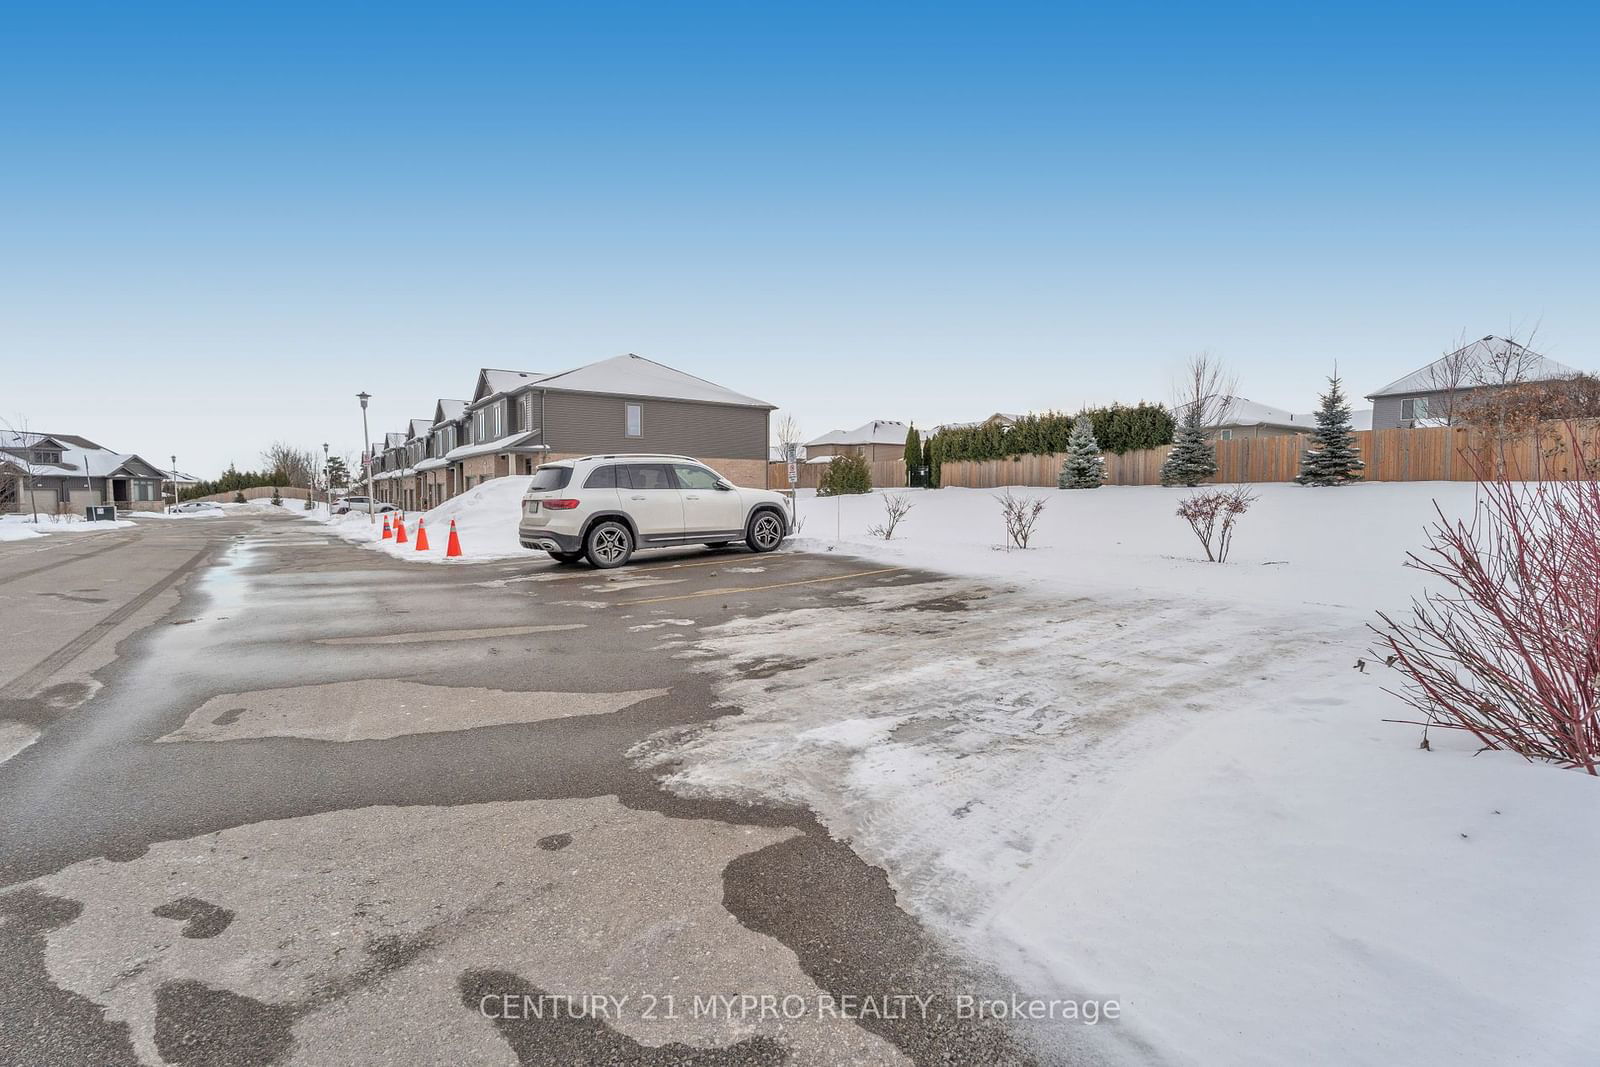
point(559, 505)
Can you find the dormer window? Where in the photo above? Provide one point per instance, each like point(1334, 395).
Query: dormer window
point(47, 455)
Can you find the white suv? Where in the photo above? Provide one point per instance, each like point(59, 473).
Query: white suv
point(602, 508)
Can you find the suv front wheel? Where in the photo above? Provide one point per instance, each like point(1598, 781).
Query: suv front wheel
point(765, 532)
point(608, 544)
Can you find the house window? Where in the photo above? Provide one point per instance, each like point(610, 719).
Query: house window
point(1226, 435)
point(45, 455)
point(1414, 407)
point(635, 420)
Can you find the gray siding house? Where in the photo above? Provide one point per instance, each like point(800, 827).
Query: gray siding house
point(519, 419)
point(59, 473)
point(1435, 394)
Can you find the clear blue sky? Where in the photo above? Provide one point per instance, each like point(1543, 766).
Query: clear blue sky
point(222, 221)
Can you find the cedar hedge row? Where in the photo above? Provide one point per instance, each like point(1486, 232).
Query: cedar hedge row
point(1119, 428)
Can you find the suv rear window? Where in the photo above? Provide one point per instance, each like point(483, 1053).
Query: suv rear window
point(601, 478)
point(549, 479)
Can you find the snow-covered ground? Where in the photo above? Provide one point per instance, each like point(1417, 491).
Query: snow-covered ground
point(1118, 771)
point(22, 527)
point(486, 519)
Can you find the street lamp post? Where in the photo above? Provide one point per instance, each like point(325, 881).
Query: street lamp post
point(367, 458)
point(327, 475)
point(174, 475)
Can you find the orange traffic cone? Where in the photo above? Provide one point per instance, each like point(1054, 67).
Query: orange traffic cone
point(452, 547)
point(400, 528)
point(422, 536)
point(387, 533)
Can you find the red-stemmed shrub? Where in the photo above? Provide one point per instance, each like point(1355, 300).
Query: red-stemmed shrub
point(1507, 647)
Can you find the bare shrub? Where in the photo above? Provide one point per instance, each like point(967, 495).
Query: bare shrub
point(1021, 515)
point(1212, 513)
point(1509, 650)
point(895, 509)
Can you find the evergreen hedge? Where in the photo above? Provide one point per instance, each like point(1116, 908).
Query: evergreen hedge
point(1118, 428)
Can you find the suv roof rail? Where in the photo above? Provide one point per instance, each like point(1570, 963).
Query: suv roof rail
point(637, 455)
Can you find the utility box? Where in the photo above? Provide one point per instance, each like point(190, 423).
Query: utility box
point(100, 513)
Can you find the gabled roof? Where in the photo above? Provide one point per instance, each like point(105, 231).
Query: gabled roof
point(394, 440)
point(1243, 412)
point(11, 439)
point(418, 428)
point(1478, 358)
point(80, 457)
point(999, 418)
point(448, 411)
point(492, 382)
point(876, 432)
point(631, 375)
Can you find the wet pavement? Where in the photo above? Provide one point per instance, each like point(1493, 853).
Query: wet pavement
point(288, 801)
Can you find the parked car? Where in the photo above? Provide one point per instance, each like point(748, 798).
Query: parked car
point(359, 503)
point(190, 506)
point(603, 508)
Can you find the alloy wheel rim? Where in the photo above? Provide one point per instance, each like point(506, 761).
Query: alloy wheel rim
point(609, 546)
point(767, 531)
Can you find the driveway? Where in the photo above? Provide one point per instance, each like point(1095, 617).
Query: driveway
point(286, 801)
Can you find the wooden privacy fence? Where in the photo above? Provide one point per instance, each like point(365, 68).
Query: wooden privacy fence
point(1434, 453)
point(260, 492)
point(886, 474)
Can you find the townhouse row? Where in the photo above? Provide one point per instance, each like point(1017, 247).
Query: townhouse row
point(516, 420)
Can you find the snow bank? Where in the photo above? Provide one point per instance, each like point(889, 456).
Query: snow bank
point(1117, 771)
point(486, 519)
point(22, 527)
point(1341, 548)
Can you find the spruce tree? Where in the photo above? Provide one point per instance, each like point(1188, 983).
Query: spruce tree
point(1193, 458)
point(1333, 458)
point(1085, 467)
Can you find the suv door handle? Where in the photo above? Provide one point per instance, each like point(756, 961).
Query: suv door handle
point(638, 497)
point(691, 496)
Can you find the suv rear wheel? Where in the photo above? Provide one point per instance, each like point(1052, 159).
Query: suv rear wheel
point(608, 544)
point(765, 531)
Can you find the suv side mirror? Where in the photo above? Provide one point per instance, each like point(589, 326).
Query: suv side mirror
point(723, 486)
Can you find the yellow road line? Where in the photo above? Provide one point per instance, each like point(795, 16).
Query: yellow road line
point(757, 588)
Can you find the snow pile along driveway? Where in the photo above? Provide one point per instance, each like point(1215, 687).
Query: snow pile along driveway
point(1116, 771)
point(486, 519)
point(22, 527)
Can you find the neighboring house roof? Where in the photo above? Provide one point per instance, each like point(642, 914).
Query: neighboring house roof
point(419, 428)
point(493, 383)
point(1480, 355)
point(631, 375)
point(876, 432)
point(80, 457)
point(999, 418)
point(179, 477)
point(1243, 412)
point(516, 442)
point(394, 440)
point(448, 411)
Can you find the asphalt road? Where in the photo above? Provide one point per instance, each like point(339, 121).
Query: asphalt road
point(286, 801)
